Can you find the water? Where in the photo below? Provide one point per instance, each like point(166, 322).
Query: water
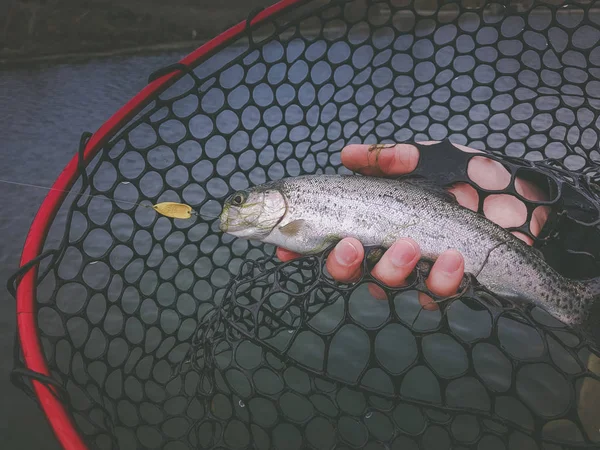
point(43, 112)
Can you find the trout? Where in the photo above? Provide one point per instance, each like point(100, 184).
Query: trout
point(307, 214)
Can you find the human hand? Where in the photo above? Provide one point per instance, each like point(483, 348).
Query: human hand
point(345, 261)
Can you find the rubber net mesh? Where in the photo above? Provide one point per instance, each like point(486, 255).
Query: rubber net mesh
point(165, 333)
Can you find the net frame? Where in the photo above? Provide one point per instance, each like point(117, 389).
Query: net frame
point(47, 394)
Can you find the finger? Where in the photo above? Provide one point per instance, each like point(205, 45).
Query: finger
point(286, 255)
point(345, 261)
point(523, 237)
point(466, 195)
point(399, 159)
point(505, 210)
point(530, 190)
point(538, 219)
point(485, 172)
point(377, 292)
point(446, 274)
point(397, 263)
point(533, 192)
point(488, 173)
point(427, 302)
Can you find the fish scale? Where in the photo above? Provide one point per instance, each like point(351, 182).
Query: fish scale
point(309, 213)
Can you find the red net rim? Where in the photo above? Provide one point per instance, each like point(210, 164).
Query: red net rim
point(58, 417)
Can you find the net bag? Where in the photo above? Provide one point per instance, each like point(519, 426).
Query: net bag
point(140, 330)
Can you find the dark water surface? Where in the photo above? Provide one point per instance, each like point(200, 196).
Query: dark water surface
point(43, 112)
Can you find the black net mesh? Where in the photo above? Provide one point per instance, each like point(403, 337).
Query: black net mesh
point(165, 333)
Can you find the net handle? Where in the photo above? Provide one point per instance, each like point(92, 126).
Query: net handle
point(59, 418)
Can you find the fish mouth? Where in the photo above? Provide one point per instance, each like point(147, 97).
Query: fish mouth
point(227, 222)
point(223, 218)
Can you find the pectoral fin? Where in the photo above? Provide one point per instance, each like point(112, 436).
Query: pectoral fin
point(293, 228)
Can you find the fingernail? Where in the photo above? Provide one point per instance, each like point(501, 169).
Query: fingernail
point(402, 253)
point(345, 253)
point(449, 262)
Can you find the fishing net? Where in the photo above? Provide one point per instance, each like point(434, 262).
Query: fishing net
point(165, 333)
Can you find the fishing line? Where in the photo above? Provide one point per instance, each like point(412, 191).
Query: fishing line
point(168, 209)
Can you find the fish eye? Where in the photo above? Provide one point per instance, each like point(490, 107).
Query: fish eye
point(238, 198)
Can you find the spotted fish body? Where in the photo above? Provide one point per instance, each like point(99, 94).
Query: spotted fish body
point(306, 214)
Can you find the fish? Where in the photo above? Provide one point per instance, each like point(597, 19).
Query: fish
point(307, 214)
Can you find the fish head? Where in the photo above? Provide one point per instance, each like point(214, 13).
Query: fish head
point(253, 213)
